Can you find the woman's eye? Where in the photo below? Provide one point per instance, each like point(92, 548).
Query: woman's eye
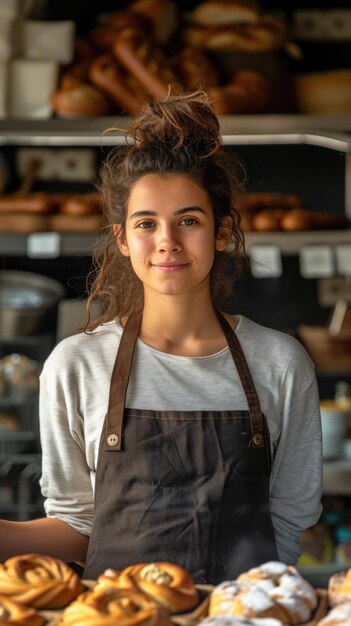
point(188, 221)
point(145, 224)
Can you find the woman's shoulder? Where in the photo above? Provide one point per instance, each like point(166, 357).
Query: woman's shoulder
point(85, 345)
point(275, 343)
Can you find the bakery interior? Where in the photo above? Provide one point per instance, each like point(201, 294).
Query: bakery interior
point(281, 82)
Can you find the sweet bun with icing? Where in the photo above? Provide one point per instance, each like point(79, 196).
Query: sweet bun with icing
point(272, 589)
point(39, 581)
point(16, 614)
point(124, 607)
point(339, 615)
point(339, 588)
point(166, 583)
point(233, 620)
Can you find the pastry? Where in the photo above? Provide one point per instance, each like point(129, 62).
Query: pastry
point(339, 587)
point(272, 589)
point(17, 614)
point(267, 34)
point(232, 620)
point(166, 583)
point(36, 203)
point(340, 615)
point(82, 204)
point(110, 607)
point(105, 73)
point(39, 581)
point(145, 61)
point(248, 92)
point(224, 12)
point(81, 100)
point(194, 67)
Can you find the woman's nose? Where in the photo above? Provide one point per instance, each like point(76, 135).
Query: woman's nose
point(168, 240)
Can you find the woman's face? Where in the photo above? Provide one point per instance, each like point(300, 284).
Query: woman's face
point(169, 234)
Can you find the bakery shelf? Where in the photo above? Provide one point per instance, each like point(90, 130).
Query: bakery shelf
point(81, 244)
point(291, 243)
point(71, 244)
point(88, 131)
point(275, 130)
point(337, 477)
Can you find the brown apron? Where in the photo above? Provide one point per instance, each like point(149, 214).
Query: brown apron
point(190, 487)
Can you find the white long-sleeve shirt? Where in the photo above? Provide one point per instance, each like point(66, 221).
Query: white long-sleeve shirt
point(74, 395)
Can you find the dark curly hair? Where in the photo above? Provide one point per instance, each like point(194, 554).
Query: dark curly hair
point(178, 135)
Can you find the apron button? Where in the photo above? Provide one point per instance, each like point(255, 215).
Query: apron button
point(112, 440)
point(258, 439)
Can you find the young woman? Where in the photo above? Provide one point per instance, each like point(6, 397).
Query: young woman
point(172, 431)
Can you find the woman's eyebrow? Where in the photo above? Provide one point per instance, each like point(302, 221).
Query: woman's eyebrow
point(145, 212)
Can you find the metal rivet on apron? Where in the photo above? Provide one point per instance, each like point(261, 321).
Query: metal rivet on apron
point(112, 440)
point(258, 439)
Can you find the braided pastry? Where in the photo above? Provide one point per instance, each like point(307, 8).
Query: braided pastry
point(271, 590)
point(41, 582)
point(105, 73)
point(14, 613)
point(194, 67)
point(145, 61)
point(166, 583)
point(114, 606)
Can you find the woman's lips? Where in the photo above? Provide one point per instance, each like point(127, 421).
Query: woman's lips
point(169, 267)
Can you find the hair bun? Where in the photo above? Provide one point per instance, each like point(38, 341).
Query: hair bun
point(179, 121)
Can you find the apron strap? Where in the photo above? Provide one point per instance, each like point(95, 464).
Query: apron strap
point(256, 417)
point(121, 372)
point(119, 384)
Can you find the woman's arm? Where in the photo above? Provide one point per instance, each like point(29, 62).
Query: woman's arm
point(49, 536)
point(296, 485)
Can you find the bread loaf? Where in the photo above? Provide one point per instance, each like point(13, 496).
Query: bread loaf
point(327, 92)
point(81, 100)
point(224, 12)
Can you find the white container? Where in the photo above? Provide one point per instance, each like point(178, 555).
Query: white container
point(31, 86)
point(49, 41)
point(10, 36)
point(334, 426)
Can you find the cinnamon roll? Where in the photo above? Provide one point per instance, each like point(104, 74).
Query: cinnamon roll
point(17, 614)
point(39, 581)
point(166, 583)
point(109, 607)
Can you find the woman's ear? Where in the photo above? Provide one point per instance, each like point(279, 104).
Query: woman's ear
point(120, 239)
point(224, 233)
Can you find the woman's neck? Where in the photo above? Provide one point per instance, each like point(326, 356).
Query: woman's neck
point(183, 328)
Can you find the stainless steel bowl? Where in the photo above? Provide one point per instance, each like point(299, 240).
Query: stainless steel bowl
point(27, 302)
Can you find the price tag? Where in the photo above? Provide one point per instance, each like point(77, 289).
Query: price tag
point(43, 245)
point(317, 261)
point(266, 261)
point(343, 258)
